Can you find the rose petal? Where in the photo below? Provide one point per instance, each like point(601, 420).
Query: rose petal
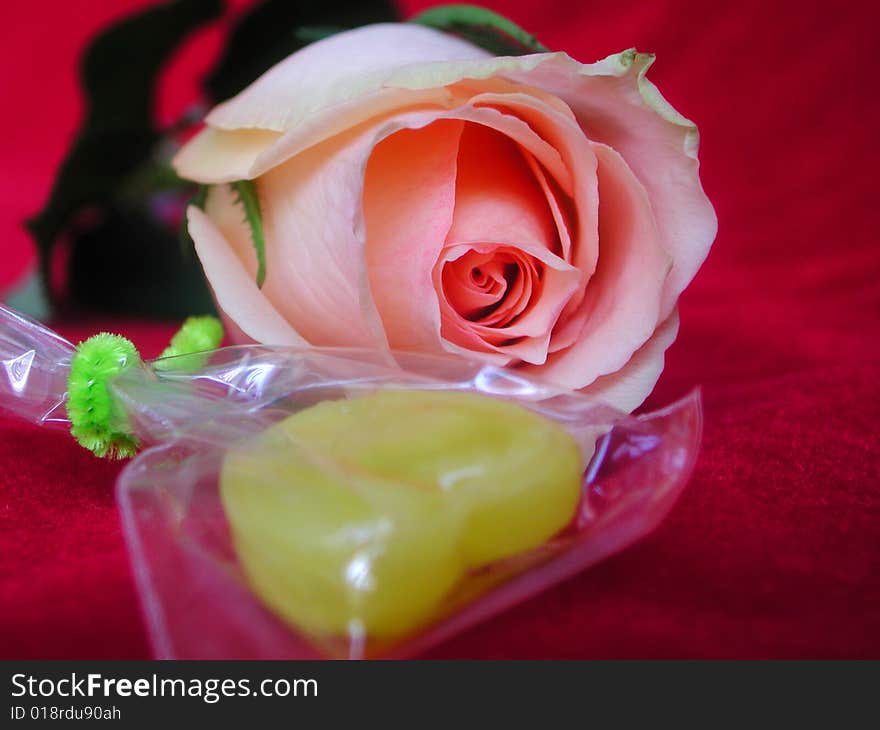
point(234, 287)
point(497, 198)
point(629, 386)
point(301, 138)
point(561, 215)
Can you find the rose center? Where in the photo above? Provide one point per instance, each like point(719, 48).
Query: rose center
point(491, 287)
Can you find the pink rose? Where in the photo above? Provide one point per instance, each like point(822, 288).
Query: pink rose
point(419, 194)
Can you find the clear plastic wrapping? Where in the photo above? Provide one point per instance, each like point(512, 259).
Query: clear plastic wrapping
point(35, 365)
point(250, 537)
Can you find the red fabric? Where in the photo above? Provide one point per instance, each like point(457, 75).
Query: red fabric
point(774, 548)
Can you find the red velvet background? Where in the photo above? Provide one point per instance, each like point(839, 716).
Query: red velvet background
point(774, 548)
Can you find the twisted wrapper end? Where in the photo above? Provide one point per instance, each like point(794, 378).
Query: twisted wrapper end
point(95, 421)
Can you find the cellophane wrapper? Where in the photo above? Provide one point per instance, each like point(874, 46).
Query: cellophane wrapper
point(191, 411)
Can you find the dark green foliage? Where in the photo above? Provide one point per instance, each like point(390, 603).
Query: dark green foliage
point(482, 27)
point(124, 255)
point(131, 262)
point(118, 135)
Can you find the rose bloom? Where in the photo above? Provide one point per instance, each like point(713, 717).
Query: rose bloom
point(419, 194)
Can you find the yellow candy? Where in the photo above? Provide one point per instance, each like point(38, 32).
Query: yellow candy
point(359, 516)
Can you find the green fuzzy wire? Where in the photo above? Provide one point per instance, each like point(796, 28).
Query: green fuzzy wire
point(89, 403)
point(197, 335)
point(94, 421)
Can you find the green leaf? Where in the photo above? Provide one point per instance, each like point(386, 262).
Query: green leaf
point(246, 193)
point(274, 29)
point(118, 135)
point(482, 27)
point(311, 33)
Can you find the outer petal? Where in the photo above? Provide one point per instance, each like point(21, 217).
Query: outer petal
point(320, 91)
point(326, 74)
point(629, 386)
point(234, 287)
point(217, 155)
point(316, 271)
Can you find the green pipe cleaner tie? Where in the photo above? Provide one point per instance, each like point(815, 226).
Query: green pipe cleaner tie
point(94, 419)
